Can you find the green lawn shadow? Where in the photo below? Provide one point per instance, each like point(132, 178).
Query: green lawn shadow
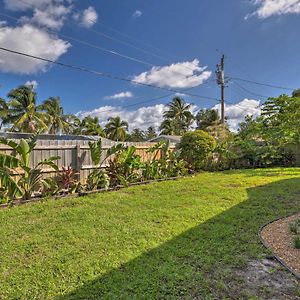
point(200, 263)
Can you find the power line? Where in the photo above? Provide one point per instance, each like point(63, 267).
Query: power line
point(84, 69)
point(249, 92)
point(89, 44)
point(263, 84)
point(115, 39)
point(112, 52)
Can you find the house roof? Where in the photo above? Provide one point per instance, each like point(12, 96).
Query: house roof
point(171, 138)
point(61, 137)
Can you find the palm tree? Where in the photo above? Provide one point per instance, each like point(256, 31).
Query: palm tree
point(74, 124)
point(23, 111)
point(151, 133)
point(91, 126)
point(168, 127)
point(4, 112)
point(180, 113)
point(116, 129)
point(206, 118)
point(56, 119)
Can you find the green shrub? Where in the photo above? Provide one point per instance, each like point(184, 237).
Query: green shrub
point(196, 147)
point(297, 242)
point(98, 179)
point(293, 228)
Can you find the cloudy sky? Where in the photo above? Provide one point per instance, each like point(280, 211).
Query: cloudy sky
point(171, 45)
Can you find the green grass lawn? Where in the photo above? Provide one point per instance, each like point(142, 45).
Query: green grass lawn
point(178, 239)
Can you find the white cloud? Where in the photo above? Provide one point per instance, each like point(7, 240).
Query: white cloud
point(32, 83)
point(87, 18)
point(180, 75)
point(138, 13)
point(236, 113)
point(52, 17)
point(267, 8)
point(31, 40)
point(18, 5)
point(121, 95)
point(140, 118)
point(47, 13)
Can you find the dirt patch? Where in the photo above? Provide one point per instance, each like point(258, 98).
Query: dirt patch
point(266, 279)
point(279, 239)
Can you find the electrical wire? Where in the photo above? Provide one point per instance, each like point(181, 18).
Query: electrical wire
point(247, 91)
point(112, 52)
point(260, 83)
point(102, 74)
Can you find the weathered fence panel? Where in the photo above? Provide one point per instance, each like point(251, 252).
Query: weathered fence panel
point(76, 154)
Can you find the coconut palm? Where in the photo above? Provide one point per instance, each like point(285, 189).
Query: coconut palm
point(4, 112)
point(74, 124)
point(56, 119)
point(180, 113)
point(168, 127)
point(24, 113)
point(116, 129)
point(91, 126)
point(151, 133)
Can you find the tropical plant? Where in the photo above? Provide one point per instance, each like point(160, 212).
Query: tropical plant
point(90, 126)
point(168, 127)
point(18, 179)
point(98, 178)
point(124, 167)
point(179, 116)
point(116, 129)
point(137, 135)
point(151, 133)
point(206, 118)
point(67, 180)
point(24, 114)
point(164, 162)
point(74, 125)
point(56, 122)
point(4, 112)
point(196, 147)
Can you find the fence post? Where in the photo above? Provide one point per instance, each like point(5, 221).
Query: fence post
point(78, 165)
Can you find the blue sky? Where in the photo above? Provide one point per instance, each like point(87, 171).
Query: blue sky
point(259, 38)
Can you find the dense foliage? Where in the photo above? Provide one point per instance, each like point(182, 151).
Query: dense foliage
point(196, 147)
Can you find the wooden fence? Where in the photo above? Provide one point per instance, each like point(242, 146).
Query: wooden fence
point(76, 154)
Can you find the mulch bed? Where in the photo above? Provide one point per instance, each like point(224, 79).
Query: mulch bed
point(279, 239)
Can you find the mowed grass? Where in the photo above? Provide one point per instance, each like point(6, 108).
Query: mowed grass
point(177, 239)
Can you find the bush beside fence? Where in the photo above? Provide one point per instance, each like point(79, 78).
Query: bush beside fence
point(76, 154)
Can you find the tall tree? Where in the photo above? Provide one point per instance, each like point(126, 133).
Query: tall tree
point(151, 133)
point(24, 114)
point(4, 112)
point(91, 126)
point(56, 119)
point(209, 121)
point(296, 93)
point(280, 118)
point(116, 129)
point(206, 118)
point(179, 115)
point(137, 135)
point(168, 127)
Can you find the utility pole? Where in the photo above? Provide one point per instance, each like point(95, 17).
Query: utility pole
point(220, 73)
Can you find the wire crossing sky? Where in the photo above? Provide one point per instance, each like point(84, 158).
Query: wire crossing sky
point(143, 54)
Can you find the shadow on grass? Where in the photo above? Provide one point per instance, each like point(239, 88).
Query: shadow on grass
point(201, 262)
